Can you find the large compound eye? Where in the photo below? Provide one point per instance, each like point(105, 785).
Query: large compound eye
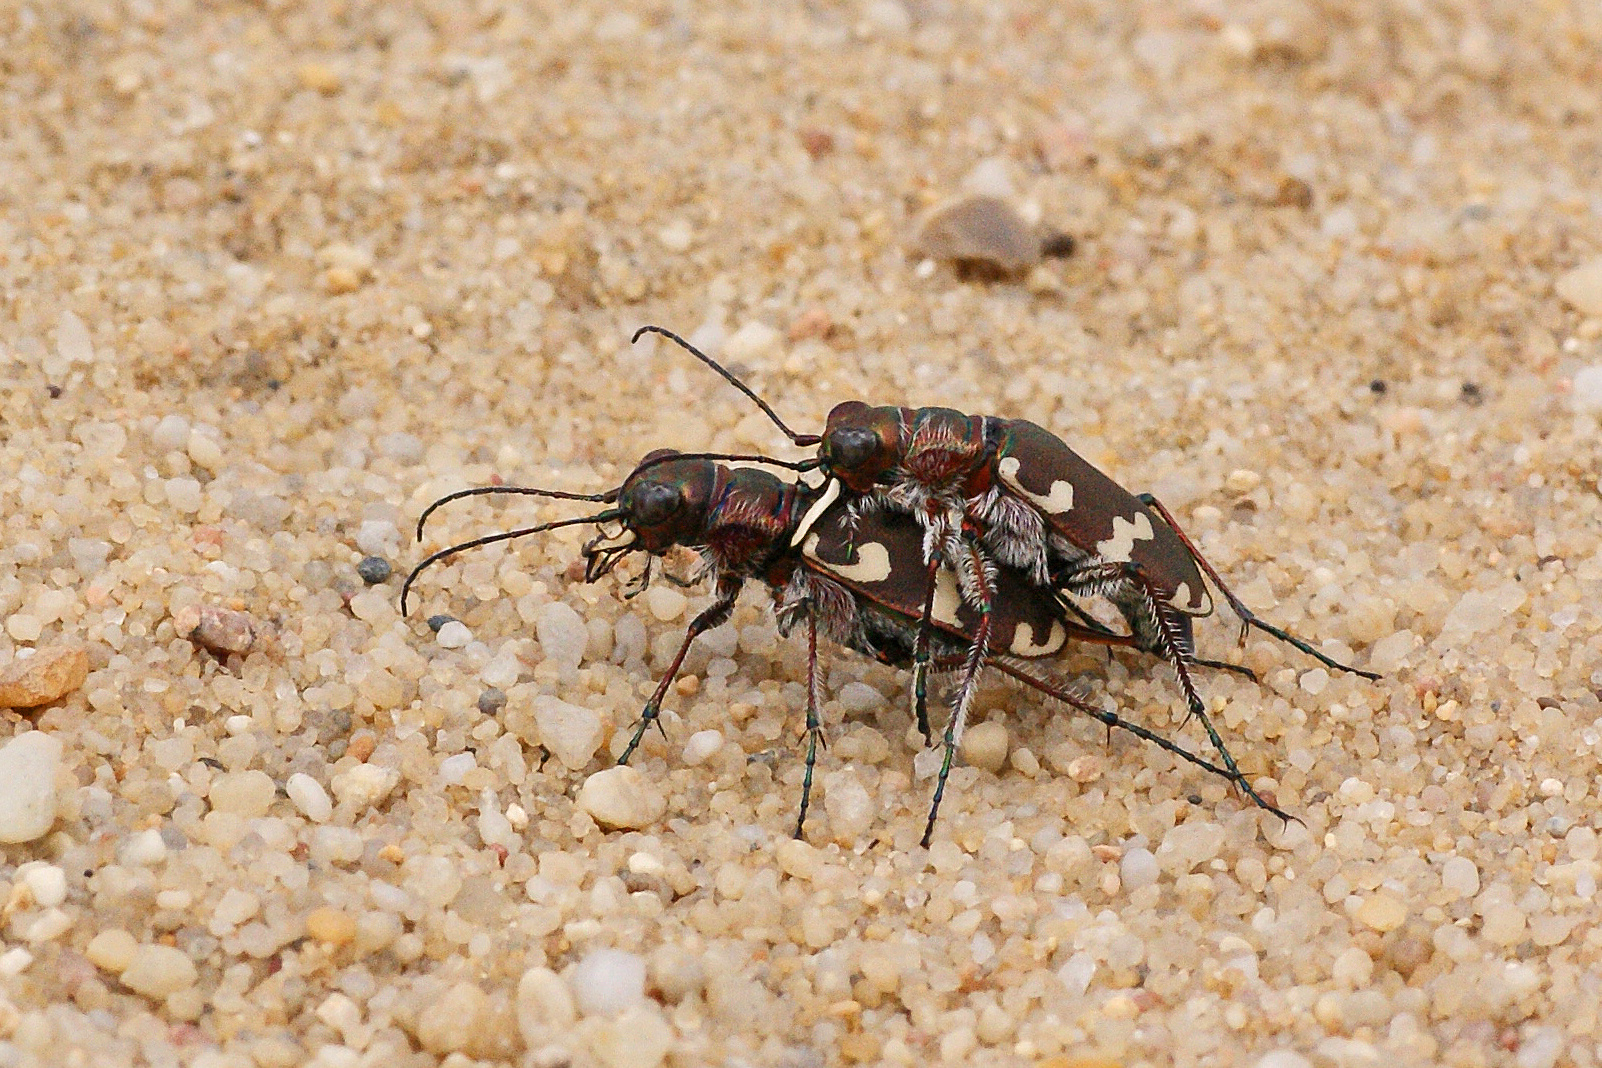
point(653, 503)
point(850, 447)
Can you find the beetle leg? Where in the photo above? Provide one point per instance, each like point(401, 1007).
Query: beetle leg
point(1176, 651)
point(1223, 665)
point(1247, 617)
point(681, 583)
point(1059, 692)
point(920, 656)
point(714, 615)
point(641, 582)
point(977, 655)
point(814, 724)
point(1171, 638)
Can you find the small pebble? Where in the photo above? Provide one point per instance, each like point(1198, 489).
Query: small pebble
point(158, 971)
point(451, 1022)
point(797, 859)
point(984, 745)
point(48, 675)
point(859, 697)
point(753, 342)
point(331, 926)
point(1586, 395)
point(375, 537)
point(980, 229)
point(701, 745)
point(454, 768)
point(621, 798)
point(73, 340)
point(1138, 868)
point(341, 280)
point(320, 78)
point(204, 450)
point(1085, 769)
point(562, 634)
point(46, 882)
point(1242, 481)
point(1057, 246)
point(1282, 1058)
point(639, 1038)
point(309, 797)
point(850, 807)
point(571, 732)
point(543, 1001)
point(244, 793)
point(233, 908)
point(1504, 923)
point(143, 849)
point(607, 982)
point(1582, 287)
point(665, 603)
point(15, 961)
point(491, 701)
point(24, 626)
point(28, 786)
point(183, 495)
point(453, 635)
point(217, 629)
point(373, 570)
point(112, 950)
point(437, 623)
point(1382, 912)
point(365, 785)
point(504, 670)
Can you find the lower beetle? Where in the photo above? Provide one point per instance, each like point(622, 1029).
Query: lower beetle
point(858, 578)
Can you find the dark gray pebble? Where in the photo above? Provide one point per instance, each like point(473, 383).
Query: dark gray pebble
point(373, 570)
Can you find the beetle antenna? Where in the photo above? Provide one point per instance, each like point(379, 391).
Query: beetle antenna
point(490, 539)
point(803, 440)
point(730, 457)
point(479, 491)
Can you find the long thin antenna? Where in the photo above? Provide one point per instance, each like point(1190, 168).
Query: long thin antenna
point(802, 440)
point(490, 539)
point(728, 457)
point(479, 491)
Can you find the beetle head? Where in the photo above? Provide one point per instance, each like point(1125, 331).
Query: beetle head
point(664, 502)
point(861, 443)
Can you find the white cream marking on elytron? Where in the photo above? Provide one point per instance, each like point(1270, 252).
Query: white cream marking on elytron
point(1182, 600)
point(1023, 640)
point(873, 561)
point(831, 493)
point(1060, 501)
point(1118, 548)
point(947, 598)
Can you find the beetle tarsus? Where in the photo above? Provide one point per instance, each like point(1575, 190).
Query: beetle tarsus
point(651, 714)
point(940, 788)
point(814, 724)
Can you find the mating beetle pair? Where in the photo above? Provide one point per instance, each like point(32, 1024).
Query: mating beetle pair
point(990, 492)
point(1000, 520)
point(855, 578)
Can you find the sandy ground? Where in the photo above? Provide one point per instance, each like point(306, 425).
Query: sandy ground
point(273, 275)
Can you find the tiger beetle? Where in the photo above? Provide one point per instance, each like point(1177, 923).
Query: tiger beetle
point(989, 492)
point(855, 577)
